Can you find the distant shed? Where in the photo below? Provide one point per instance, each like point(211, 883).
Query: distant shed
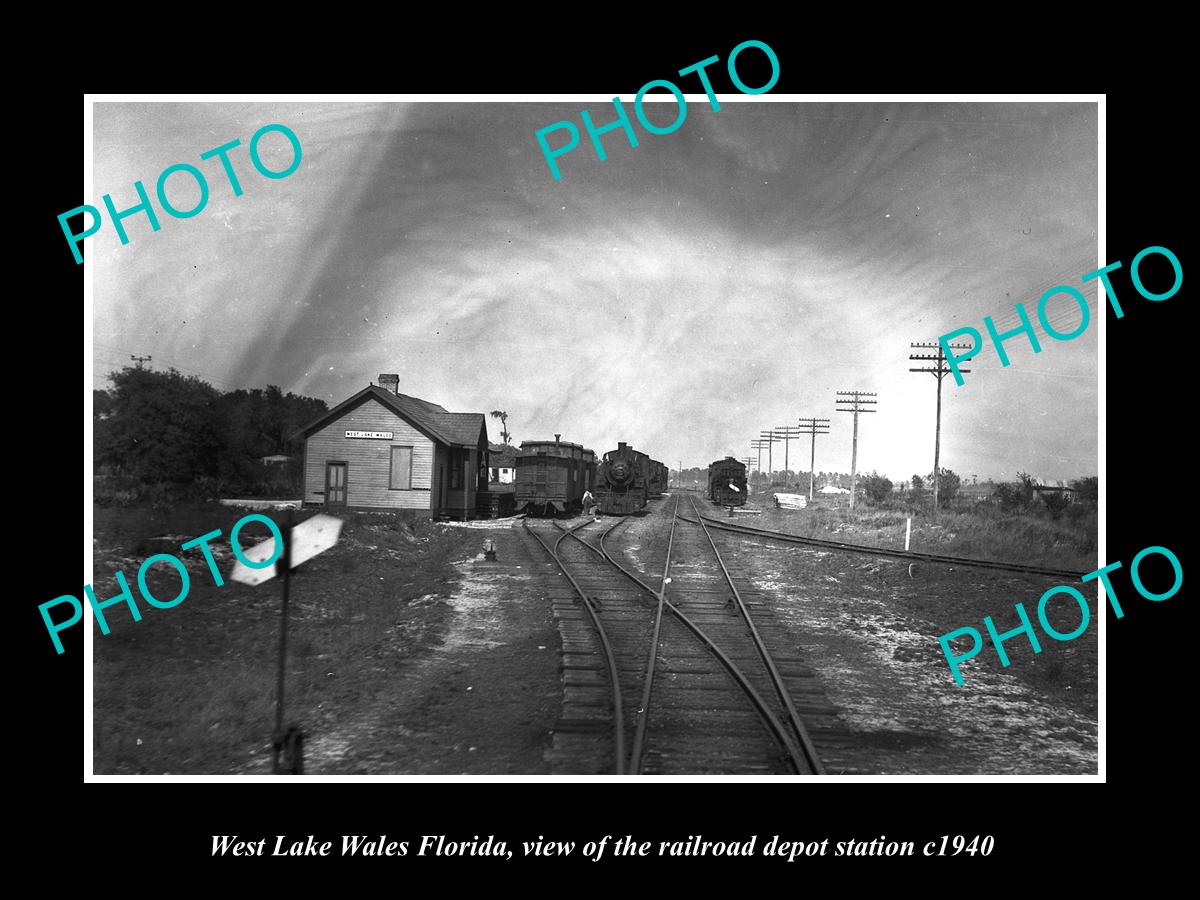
point(502, 464)
point(381, 449)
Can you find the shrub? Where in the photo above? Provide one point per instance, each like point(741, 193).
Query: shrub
point(1056, 502)
point(878, 488)
point(948, 483)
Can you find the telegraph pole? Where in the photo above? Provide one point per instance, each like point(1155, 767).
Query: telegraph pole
point(140, 359)
point(758, 445)
point(813, 427)
point(786, 433)
point(854, 402)
point(939, 370)
point(770, 437)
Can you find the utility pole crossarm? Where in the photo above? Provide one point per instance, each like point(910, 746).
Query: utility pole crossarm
point(813, 426)
point(855, 402)
point(939, 370)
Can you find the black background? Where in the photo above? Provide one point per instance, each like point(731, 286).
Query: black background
point(1053, 828)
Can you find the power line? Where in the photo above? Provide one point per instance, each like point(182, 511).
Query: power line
point(939, 370)
point(120, 352)
point(771, 438)
point(758, 445)
point(813, 427)
point(854, 402)
point(786, 433)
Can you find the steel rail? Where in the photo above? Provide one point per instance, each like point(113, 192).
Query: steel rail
point(639, 738)
point(785, 696)
point(777, 729)
point(609, 658)
point(914, 555)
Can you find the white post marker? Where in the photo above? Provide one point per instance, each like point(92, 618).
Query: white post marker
point(907, 532)
point(303, 542)
point(310, 537)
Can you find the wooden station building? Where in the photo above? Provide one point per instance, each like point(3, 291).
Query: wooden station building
point(383, 450)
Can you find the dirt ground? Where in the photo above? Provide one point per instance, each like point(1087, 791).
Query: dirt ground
point(408, 653)
point(411, 654)
point(871, 630)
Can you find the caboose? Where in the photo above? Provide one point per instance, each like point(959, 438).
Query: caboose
point(621, 481)
point(727, 482)
point(552, 475)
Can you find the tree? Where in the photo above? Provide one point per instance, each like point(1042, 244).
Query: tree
point(918, 482)
point(161, 426)
point(102, 405)
point(1016, 496)
point(876, 487)
point(503, 417)
point(1026, 486)
point(948, 485)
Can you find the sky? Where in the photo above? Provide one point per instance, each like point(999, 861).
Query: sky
point(681, 296)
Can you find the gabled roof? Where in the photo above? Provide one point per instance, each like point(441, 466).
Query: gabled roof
point(455, 429)
point(502, 452)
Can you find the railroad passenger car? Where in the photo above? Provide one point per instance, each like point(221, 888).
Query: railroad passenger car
point(727, 482)
point(621, 481)
point(552, 476)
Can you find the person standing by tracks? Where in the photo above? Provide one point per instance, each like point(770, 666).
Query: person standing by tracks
point(589, 503)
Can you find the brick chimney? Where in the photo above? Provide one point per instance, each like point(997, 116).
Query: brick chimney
point(390, 383)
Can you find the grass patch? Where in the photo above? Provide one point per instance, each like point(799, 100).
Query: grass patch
point(1067, 543)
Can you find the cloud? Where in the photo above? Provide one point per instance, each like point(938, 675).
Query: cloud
point(682, 295)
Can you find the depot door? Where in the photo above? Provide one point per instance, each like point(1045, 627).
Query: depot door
point(335, 484)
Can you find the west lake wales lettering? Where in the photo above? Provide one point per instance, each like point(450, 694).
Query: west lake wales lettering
point(361, 845)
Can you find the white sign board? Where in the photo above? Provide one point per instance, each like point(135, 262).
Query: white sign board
point(310, 537)
point(374, 435)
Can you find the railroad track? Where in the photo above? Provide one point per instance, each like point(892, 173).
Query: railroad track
point(912, 555)
point(677, 662)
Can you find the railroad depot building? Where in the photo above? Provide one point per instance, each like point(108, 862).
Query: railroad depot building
point(382, 450)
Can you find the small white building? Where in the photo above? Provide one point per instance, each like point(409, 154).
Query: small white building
point(502, 463)
point(833, 489)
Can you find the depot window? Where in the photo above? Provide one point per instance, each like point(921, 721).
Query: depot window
point(400, 476)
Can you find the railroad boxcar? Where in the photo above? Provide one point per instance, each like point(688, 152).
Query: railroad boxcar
point(552, 476)
point(621, 481)
point(727, 482)
point(649, 473)
point(654, 478)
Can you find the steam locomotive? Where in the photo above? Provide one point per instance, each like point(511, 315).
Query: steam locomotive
point(727, 482)
point(625, 479)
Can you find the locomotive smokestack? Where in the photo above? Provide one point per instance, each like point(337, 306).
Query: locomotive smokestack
point(621, 445)
point(556, 437)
